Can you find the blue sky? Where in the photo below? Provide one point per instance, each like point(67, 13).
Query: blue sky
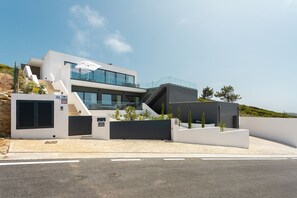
point(249, 44)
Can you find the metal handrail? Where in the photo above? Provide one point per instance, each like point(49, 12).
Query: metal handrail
point(169, 80)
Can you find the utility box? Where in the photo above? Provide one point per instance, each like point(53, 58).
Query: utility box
point(100, 127)
point(101, 122)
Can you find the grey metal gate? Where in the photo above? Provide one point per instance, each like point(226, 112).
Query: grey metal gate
point(79, 125)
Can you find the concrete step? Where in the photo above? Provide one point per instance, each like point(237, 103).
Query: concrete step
point(72, 111)
point(48, 85)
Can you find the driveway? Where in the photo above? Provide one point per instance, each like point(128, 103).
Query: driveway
point(145, 147)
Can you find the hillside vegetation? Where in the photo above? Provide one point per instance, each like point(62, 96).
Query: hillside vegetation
point(6, 69)
point(249, 111)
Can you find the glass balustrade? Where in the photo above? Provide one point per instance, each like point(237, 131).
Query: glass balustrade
point(169, 80)
point(102, 105)
point(103, 76)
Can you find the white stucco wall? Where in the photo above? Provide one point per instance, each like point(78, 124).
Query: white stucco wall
point(100, 132)
point(60, 129)
point(211, 136)
point(283, 130)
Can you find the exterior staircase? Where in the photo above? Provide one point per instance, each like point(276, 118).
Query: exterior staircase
point(72, 111)
point(48, 85)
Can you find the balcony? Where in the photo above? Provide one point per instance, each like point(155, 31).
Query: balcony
point(103, 105)
point(169, 80)
point(103, 76)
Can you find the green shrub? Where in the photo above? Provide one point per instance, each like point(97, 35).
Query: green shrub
point(169, 116)
point(203, 120)
point(190, 119)
point(32, 87)
point(161, 117)
point(130, 113)
point(222, 125)
point(117, 114)
point(178, 115)
point(163, 109)
point(146, 114)
point(28, 87)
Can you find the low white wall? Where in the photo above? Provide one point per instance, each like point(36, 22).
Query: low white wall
point(35, 79)
point(28, 71)
point(196, 125)
point(283, 130)
point(60, 129)
point(212, 136)
point(152, 112)
point(80, 106)
point(59, 85)
point(100, 132)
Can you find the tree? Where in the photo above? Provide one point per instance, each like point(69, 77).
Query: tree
point(207, 93)
point(203, 120)
point(227, 94)
point(190, 119)
point(178, 115)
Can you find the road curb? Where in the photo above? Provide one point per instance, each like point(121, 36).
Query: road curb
point(35, 156)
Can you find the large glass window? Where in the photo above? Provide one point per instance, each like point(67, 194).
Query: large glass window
point(86, 75)
point(90, 99)
point(110, 77)
point(130, 79)
point(117, 99)
point(121, 79)
point(99, 76)
point(81, 95)
point(75, 73)
point(106, 99)
point(134, 99)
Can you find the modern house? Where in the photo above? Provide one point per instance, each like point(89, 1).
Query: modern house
point(108, 87)
point(99, 92)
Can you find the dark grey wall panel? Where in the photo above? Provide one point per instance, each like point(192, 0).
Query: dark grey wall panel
point(79, 125)
point(210, 110)
point(214, 112)
point(168, 93)
point(147, 129)
point(229, 114)
point(181, 94)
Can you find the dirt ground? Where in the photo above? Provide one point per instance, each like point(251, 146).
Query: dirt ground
point(6, 82)
point(4, 144)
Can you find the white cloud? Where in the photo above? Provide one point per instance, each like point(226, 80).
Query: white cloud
point(89, 31)
point(80, 36)
point(117, 43)
point(83, 53)
point(92, 16)
point(184, 21)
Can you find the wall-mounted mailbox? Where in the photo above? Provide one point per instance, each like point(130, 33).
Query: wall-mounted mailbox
point(101, 122)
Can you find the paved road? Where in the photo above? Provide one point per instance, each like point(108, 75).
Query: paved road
point(151, 178)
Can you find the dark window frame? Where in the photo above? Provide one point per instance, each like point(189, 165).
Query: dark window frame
point(105, 76)
point(35, 114)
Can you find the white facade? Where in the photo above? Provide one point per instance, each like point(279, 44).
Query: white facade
point(54, 68)
point(60, 129)
point(283, 130)
point(210, 136)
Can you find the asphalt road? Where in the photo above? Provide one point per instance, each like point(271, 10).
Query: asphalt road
point(151, 178)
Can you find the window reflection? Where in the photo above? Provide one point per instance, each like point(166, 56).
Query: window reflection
point(102, 76)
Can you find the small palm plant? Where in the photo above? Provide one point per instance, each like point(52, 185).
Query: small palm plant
point(222, 125)
point(203, 120)
point(190, 119)
point(178, 115)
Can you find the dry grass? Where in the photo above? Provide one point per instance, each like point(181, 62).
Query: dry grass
point(4, 144)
